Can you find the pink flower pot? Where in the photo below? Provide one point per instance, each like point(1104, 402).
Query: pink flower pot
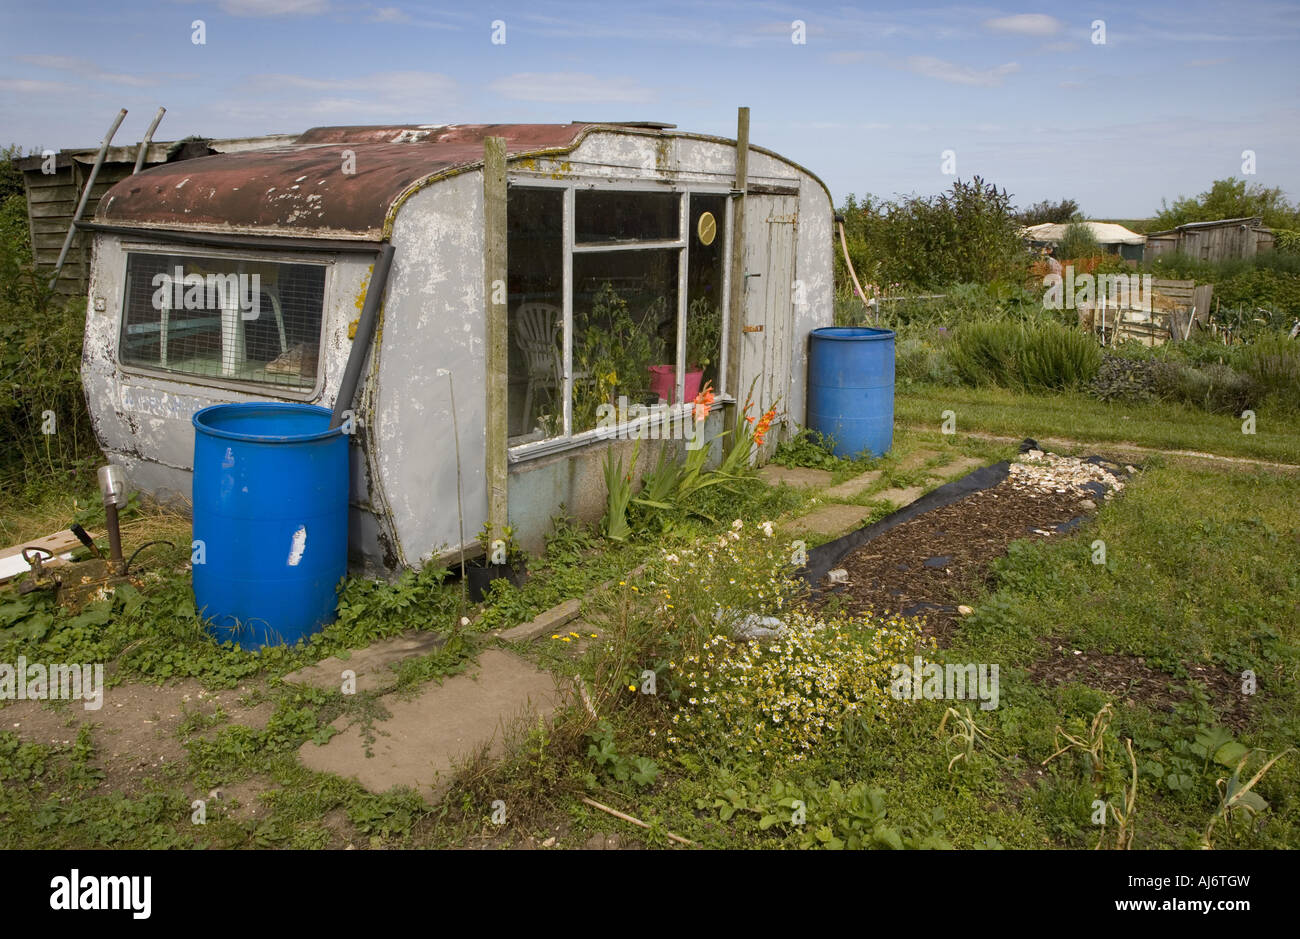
point(663, 380)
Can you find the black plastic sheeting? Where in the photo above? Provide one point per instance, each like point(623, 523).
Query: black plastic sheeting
point(827, 557)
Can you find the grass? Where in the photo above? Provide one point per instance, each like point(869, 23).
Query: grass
point(1076, 416)
point(1201, 570)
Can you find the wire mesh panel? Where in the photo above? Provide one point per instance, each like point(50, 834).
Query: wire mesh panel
point(235, 319)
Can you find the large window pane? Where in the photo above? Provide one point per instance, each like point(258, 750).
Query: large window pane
point(224, 318)
point(535, 256)
point(604, 217)
point(706, 240)
point(625, 330)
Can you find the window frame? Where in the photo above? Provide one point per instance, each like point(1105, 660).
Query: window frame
point(625, 429)
point(252, 253)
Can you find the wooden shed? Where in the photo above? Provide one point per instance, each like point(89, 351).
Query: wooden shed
point(568, 286)
point(54, 182)
point(1213, 241)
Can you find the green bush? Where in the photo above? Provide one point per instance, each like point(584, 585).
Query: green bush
point(1219, 389)
point(1125, 378)
point(1044, 356)
point(40, 366)
point(967, 234)
point(1273, 363)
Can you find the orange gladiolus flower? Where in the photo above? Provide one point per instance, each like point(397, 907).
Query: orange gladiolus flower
point(703, 401)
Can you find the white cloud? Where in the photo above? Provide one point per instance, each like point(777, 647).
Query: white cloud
point(92, 72)
point(568, 87)
point(291, 102)
point(31, 86)
point(943, 70)
point(390, 15)
point(1026, 24)
point(275, 7)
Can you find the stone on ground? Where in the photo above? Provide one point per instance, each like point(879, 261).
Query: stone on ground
point(372, 665)
point(428, 737)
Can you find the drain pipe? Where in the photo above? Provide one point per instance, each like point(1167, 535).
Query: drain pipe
point(365, 333)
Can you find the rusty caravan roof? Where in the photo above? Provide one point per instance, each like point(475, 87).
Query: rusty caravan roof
point(301, 188)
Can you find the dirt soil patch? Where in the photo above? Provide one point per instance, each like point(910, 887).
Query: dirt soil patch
point(1131, 680)
point(927, 565)
point(136, 731)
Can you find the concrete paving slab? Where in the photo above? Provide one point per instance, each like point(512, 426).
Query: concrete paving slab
point(899, 497)
point(545, 623)
point(917, 458)
point(958, 467)
point(797, 476)
point(832, 519)
point(428, 736)
point(851, 488)
point(372, 664)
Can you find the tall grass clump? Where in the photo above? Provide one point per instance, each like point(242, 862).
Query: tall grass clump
point(1273, 362)
point(1043, 356)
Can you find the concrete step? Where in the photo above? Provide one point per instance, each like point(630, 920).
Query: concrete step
point(426, 738)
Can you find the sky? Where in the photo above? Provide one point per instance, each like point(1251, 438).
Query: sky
point(867, 96)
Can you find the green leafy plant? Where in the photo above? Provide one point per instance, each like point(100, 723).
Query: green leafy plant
point(703, 334)
point(603, 751)
point(1238, 798)
point(613, 350)
point(618, 486)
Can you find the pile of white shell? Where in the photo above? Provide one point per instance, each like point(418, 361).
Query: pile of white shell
point(1050, 472)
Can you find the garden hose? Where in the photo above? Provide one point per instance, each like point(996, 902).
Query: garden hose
point(141, 548)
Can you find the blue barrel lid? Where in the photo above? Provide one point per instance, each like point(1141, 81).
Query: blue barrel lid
point(278, 421)
point(855, 333)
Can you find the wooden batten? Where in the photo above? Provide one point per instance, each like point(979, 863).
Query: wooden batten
point(498, 350)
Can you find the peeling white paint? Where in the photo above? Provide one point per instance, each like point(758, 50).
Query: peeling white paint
point(298, 546)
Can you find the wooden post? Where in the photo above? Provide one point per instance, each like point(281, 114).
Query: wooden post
point(498, 349)
point(736, 313)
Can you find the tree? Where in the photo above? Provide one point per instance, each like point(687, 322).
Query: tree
point(1045, 211)
point(1230, 198)
point(11, 177)
point(965, 235)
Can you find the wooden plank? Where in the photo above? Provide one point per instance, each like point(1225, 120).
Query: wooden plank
point(1201, 300)
point(61, 193)
point(736, 315)
point(51, 209)
point(495, 274)
point(58, 543)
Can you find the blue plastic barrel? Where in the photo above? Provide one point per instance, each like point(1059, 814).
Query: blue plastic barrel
point(270, 520)
point(851, 388)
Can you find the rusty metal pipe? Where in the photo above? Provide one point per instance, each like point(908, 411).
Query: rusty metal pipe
point(85, 196)
point(365, 333)
point(115, 562)
point(148, 139)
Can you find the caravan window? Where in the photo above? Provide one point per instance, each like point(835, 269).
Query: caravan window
point(615, 298)
point(224, 318)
